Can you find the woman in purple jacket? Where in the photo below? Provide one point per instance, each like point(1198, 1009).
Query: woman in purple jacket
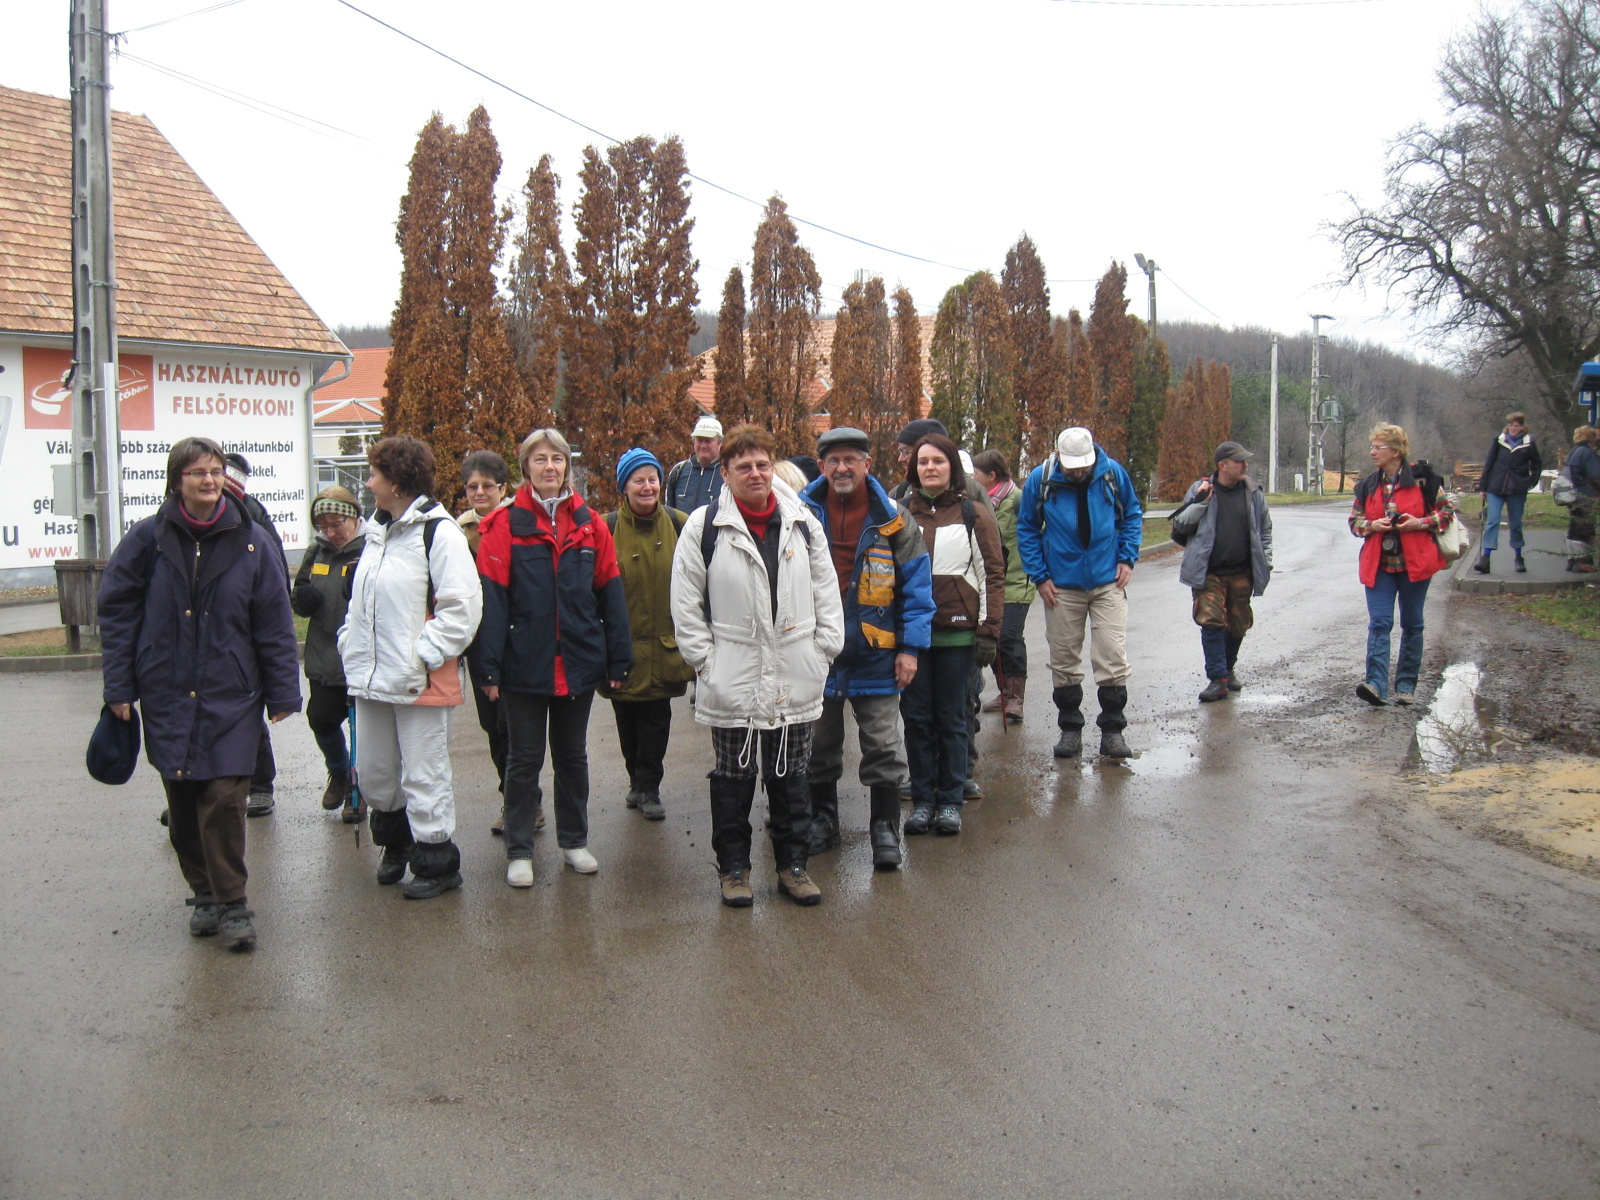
point(195, 625)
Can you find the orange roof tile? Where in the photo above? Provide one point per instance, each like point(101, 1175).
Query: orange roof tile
point(186, 270)
point(365, 381)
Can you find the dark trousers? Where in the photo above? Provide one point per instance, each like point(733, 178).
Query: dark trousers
point(1012, 661)
point(643, 728)
point(205, 823)
point(492, 720)
point(326, 712)
point(783, 757)
point(529, 719)
point(266, 765)
point(934, 709)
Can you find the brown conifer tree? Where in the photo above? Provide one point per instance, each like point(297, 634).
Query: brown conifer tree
point(1038, 378)
point(420, 234)
point(905, 372)
point(861, 366)
point(1198, 419)
point(974, 367)
point(951, 361)
point(632, 307)
point(1077, 371)
point(1111, 347)
point(733, 401)
point(539, 285)
point(785, 296)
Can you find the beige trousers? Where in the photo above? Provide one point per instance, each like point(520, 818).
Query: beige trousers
point(1105, 610)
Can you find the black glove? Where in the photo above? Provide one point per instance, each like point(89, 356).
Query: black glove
point(984, 649)
point(307, 599)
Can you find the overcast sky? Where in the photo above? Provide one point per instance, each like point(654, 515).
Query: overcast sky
point(1216, 140)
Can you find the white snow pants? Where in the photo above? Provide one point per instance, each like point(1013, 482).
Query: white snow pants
point(403, 761)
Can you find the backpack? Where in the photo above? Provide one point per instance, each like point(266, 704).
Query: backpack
point(677, 518)
point(1047, 484)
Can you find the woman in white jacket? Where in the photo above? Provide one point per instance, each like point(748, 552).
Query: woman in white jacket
point(755, 603)
point(414, 607)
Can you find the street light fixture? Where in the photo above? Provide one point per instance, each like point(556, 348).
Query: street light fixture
point(1148, 266)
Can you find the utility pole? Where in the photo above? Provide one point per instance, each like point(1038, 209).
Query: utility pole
point(1148, 266)
point(1313, 419)
point(1272, 424)
point(96, 475)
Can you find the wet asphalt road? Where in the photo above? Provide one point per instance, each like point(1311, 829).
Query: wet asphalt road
point(1240, 966)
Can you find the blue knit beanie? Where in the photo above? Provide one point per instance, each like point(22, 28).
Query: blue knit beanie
point(632, 461)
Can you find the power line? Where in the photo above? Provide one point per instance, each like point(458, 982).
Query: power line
point(1192, 300)
point(181, 16)
point(260, 106)
point(1217, 3)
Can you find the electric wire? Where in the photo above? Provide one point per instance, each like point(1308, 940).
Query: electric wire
point(1217, 3)
point(1191, 299)
point(181, 16)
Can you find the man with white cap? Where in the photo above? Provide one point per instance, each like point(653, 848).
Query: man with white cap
point(1078, 530)
point(693, 482)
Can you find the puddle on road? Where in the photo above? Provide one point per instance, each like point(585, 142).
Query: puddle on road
point(1459, 725)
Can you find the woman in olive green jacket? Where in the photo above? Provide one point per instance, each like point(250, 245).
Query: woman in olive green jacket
point(646, 535)
point(991, 470)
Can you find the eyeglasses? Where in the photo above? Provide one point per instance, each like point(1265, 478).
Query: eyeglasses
point(330, 526)
point(205, 474)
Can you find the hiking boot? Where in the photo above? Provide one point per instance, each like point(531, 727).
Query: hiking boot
point(1235, 684)
point(1517, 565)
point(920, 819)
point(392, 866)
point(426, 887)
point(238, 933)
point(205, 919)
point(354, 812)
point(338, 788)
point(1114, 745)
point(650, 806)
point(1482, 565)
point(995, 703)
point(259, 804)
point(1405, 697)
point(1069, 719)
point(633, 798)
point(971, 790)
point(736, 891)
point(947, 820)
point(1217, 689)
point(885, 846)
point(1367, 692)
point(794, 883)
point(1070, 744)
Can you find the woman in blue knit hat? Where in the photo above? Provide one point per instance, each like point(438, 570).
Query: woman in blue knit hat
point(646, 533)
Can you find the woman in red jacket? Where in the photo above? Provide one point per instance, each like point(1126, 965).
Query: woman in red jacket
point(555, 628)
point(1398, 509)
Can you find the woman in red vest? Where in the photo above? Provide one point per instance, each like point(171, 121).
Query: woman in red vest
point(1398, 509)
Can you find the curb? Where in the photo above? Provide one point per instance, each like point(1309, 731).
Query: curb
point(1484, 585)
point(25, 601)
point(44, 664)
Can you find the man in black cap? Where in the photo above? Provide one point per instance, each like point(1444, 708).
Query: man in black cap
point(886, 581)
point(1226, 532)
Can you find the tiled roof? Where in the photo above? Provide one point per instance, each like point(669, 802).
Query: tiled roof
point(351, 412)
point(365, 381)
point(187, 271)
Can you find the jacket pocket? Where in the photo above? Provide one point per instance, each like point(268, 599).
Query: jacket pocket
point(876, 637)
point(876, 589)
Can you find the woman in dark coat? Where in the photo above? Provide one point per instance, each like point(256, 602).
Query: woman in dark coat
point(1510, 472)
point(195, 625)
point(322, 593)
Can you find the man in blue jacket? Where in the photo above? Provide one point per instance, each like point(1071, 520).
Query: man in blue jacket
point(1078, 530)
point(887, 587)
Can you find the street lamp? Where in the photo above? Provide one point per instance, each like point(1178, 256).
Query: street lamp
point(1148, 266)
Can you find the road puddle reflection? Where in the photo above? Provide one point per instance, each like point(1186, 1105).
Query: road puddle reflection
point(1459, 725)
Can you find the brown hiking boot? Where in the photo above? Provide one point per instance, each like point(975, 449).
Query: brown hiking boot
point(794, 883)
point(736, 891)
point(337, 792)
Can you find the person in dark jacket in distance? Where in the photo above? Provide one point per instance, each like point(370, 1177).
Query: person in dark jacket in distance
point(1079, 526)
point(886, 586)
point(263, 780)
point(322, 594)
point(195, 626)
point(695, 480)
point(1226, 532)
point(484, 475)
point(555, 628)
point(1510, 472)
point(967, 564)
point(645, 532)
point(1583, 468)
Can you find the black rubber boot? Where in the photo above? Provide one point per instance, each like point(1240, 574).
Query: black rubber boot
point(824, 817)
point(885, 818)
point(1069, 718)
point(1234, 682)
point(391, 831)
point(1113, 700)
point(435, 869)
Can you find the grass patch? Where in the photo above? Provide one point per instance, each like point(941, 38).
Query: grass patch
point(1155, 532)
point(1278, 499)
point(42, 641)
point(1575, 610)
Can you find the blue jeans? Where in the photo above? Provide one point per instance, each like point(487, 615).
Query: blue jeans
point(1380, 622)
point(934, 709)
point(1491, 520)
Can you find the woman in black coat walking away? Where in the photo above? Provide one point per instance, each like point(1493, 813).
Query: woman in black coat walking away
point(1510, 472)
point(195, 625)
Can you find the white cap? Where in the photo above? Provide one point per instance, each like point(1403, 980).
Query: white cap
point(1075, 448)
point(707, 427)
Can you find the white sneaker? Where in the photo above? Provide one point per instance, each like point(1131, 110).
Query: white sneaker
point(581, 861)
point(519, 872)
